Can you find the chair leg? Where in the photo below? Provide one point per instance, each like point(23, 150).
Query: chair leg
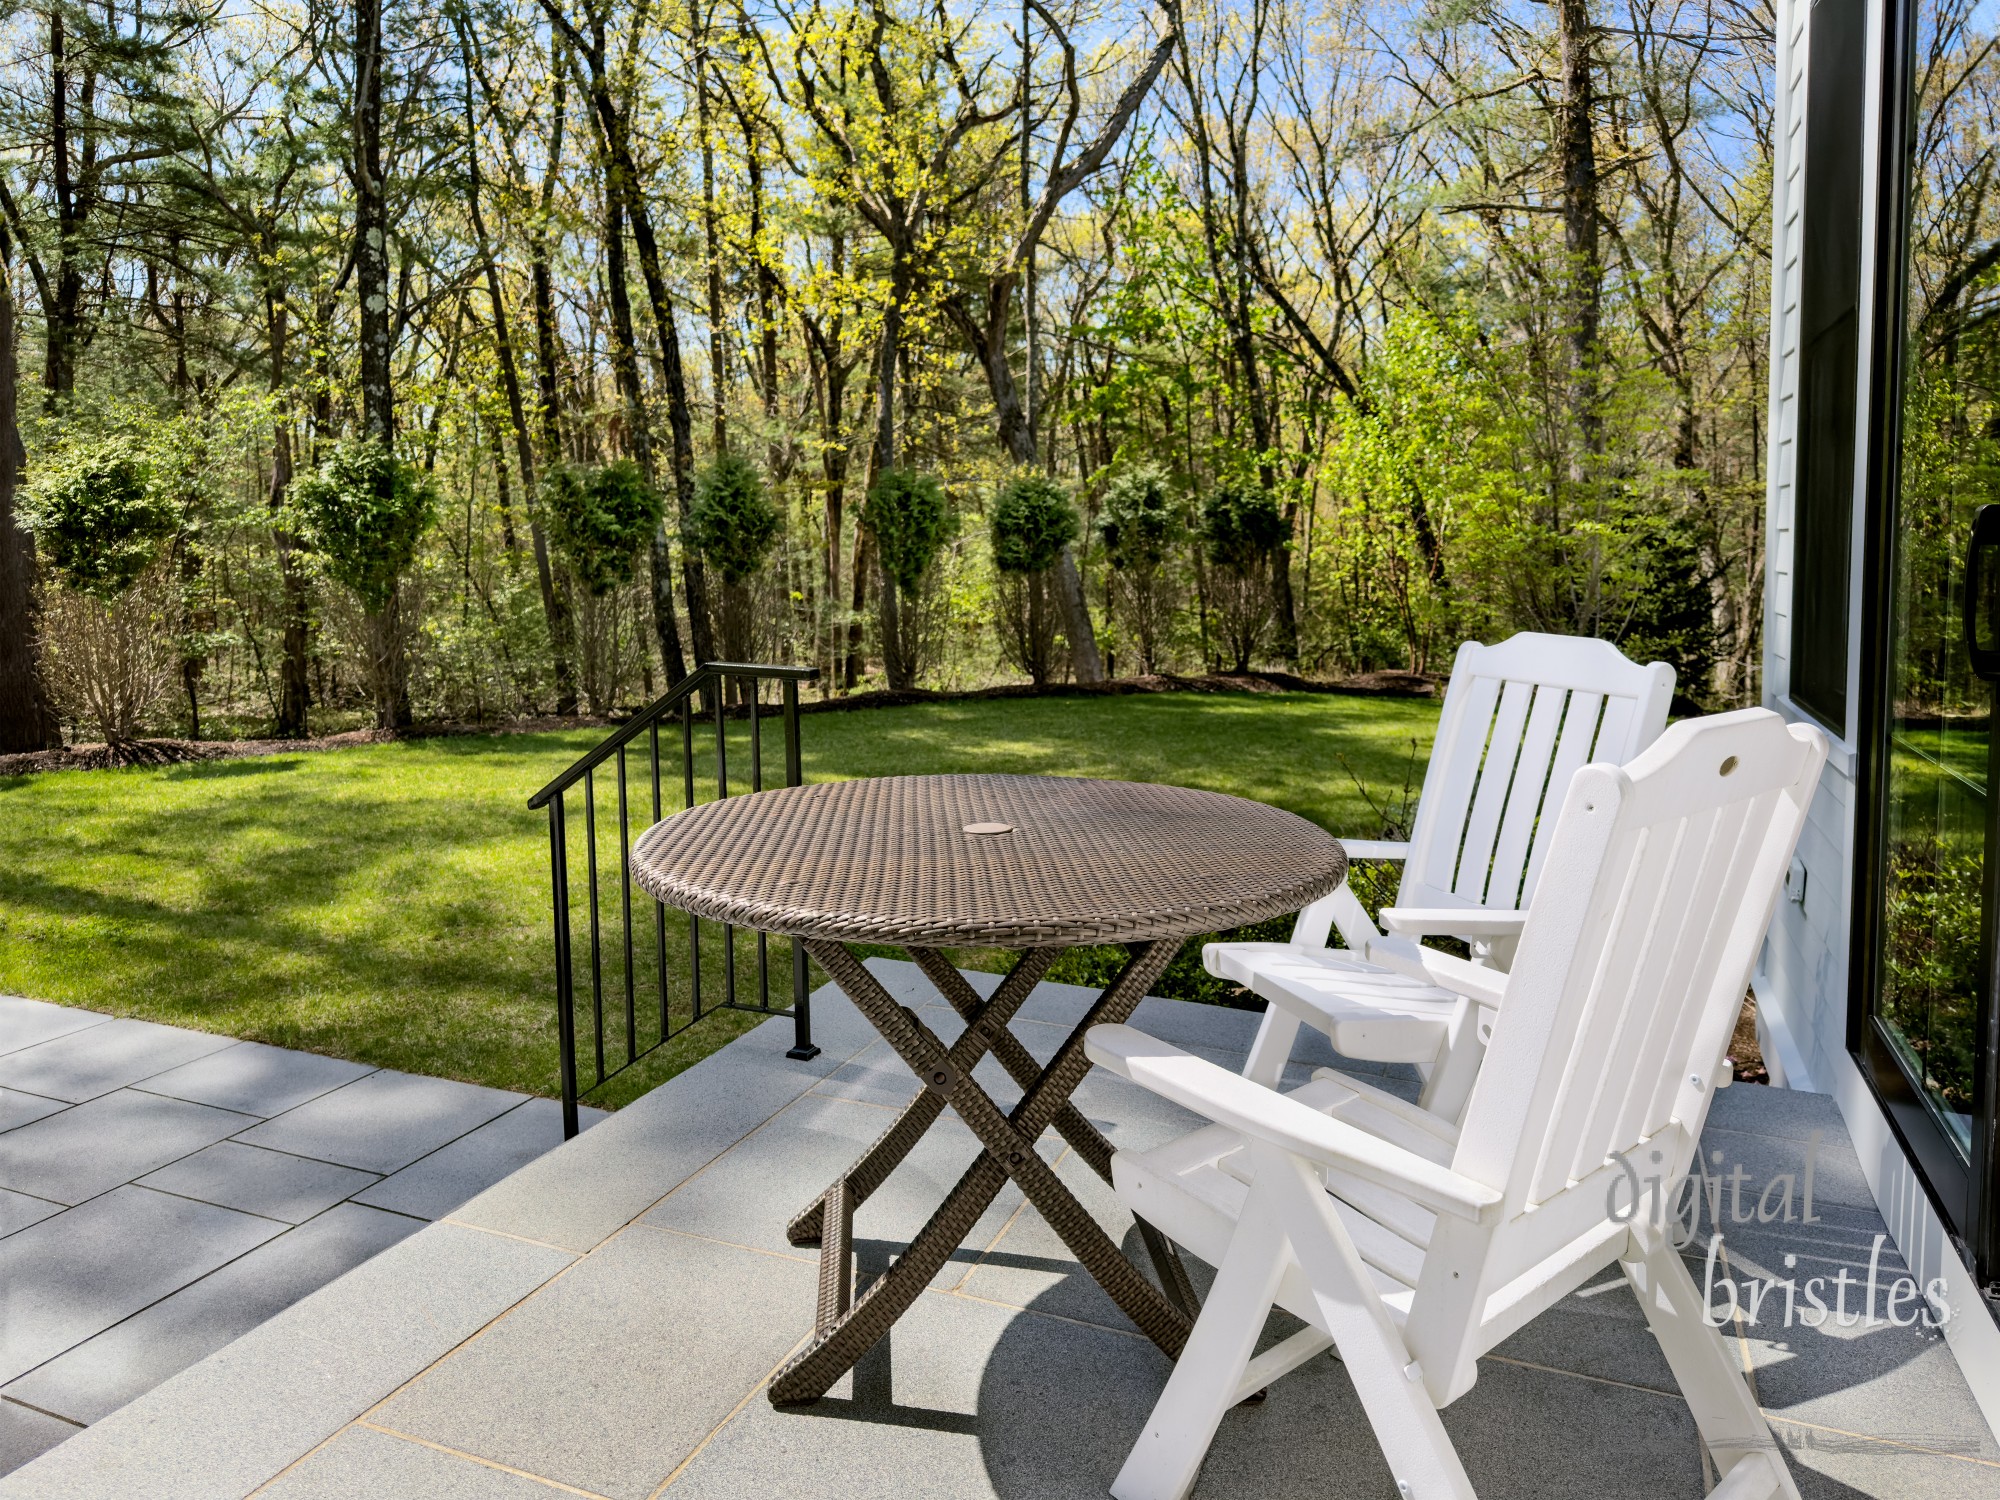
point(1165, 1460)
point(1273, 1047)
point(1449, 1084)
point(1400, 1410)
point(1724, 1410)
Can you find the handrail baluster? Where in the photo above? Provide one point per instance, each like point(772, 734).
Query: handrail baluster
point(625, 898)
point(708, 685)
point(596, 942)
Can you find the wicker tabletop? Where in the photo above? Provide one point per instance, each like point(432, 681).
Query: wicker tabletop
point(1010, 861)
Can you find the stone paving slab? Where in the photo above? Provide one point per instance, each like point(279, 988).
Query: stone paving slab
point(140, 1233)
point(27, 1434)
point(362, 1461)
point(17, 1107)
point(383, 1122)
point(118, 1137)
point(235, 1420)
point(18, 1211)
point(577, 1199)
point(97, 1059)
point(611, 1374)
point(633, 1362)
point(29, 1023)
point(75, 1274)
point(434, 1185)
point(254, 1079)
point(751, 1193)
point(98, 1376)
point(255, 1180)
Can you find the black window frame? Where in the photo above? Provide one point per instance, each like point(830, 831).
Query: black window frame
point(1954, 1188)
point(1826, 430)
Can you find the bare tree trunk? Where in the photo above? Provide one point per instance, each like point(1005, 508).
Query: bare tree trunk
point(555, 607)
point(293, 690)
point(64, 305)
point(1577, 148)
point(1019, 438)
point(712, 238)
point(622, 196)
point(389, 665)
point(27, 717)
point(863, 565)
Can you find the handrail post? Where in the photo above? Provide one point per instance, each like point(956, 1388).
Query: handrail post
point(565, 984)
point(802, 1047)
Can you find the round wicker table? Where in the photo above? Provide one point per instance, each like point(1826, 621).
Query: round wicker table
point(1034, 863)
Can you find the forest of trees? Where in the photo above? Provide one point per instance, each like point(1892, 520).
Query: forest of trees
point(471, 359)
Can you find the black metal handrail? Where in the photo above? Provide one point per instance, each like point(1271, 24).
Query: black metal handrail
point(710, 682)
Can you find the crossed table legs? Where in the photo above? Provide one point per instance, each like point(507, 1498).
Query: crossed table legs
point(846, 1327)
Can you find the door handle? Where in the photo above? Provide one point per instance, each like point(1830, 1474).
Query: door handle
point(1982, 639)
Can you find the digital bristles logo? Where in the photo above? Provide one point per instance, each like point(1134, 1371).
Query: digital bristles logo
point(1847, 1296)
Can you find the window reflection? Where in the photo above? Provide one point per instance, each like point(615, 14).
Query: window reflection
point(1931, 986)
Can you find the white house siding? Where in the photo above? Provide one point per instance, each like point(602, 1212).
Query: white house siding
point(1802, 979)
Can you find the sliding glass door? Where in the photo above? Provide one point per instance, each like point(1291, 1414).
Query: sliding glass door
point(1929, 1030)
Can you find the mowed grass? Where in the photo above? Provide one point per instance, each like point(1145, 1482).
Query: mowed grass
point(390, 903)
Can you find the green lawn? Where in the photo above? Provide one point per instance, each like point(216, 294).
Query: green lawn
point(389, 903)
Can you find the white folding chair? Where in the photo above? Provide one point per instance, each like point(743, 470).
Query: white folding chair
point(1412, 1245)
point(1519, 719)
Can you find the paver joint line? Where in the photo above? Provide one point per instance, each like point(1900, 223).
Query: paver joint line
point(1864, 1437)
point(484, 1463)
point(40, 1411)
point(734, 1412)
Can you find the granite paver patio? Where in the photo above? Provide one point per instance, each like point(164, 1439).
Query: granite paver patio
point(163, 1191)
point(604, 1322)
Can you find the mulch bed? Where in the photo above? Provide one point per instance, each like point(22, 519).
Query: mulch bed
point(167, 752)
point(1366, 685)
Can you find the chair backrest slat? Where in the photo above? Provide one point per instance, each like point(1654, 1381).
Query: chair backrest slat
point(1661, 880)
point(1579, 733)
point(1449, 782)
point(1519, 719)
point(1729, 948)
point(1496, 785)
point(1620, 952)
point(1526, 799)
point(1616, 726)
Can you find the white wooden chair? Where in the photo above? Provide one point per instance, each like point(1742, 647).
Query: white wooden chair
point(1412, 1245)
point(1519, 719)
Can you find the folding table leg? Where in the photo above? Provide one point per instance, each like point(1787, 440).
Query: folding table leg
point(1019, 1062)
point(879, 1160)
point(1084, 1138)
point(1009, 1142)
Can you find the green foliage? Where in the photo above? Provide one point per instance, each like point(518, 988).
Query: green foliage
point(1931, 972)
point(911, 522)
point(1033, 520)
point(1673, 611)
point(1241, 525)
point(97, 513)
point(1142, 520)
point(363, 512)
point(600, 519)
point(732, 525)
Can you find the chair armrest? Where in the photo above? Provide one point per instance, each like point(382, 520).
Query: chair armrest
point(1487, 986)
point(1250, 1108)
point(1376, 848)
point(1452, 921)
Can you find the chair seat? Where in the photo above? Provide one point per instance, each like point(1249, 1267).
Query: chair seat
point(1193, 1189)
point(1366, 1011)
